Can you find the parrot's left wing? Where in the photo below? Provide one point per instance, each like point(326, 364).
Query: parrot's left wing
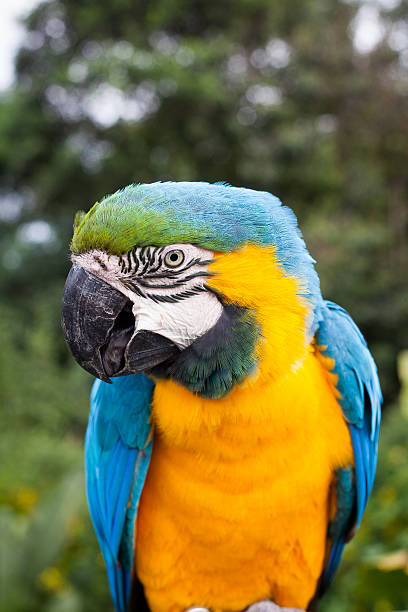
point(117, 454)
point(340, 339)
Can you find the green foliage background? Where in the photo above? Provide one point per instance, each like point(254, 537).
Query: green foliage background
point(266, 94)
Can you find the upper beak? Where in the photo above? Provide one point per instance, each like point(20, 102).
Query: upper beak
point(99, 328)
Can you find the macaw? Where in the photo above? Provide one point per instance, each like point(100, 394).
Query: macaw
point(232, 439)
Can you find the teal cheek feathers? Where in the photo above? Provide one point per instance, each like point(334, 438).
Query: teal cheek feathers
point(220, 359)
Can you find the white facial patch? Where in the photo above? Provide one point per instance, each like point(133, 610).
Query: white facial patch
point(182, 322)
point(166, 286)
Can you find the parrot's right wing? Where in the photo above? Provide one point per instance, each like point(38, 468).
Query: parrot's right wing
point(117, 454)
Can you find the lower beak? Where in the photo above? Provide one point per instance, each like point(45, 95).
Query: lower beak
point(99, 329)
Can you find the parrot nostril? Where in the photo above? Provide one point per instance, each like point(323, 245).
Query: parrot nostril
point(113, 352)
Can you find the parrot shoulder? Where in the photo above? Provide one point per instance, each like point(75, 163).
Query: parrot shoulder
point(117, 454)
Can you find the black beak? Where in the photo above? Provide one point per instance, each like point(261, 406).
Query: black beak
point(99, 329)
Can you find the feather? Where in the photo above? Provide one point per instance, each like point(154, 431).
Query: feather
point(117, 454)
point(358, 384)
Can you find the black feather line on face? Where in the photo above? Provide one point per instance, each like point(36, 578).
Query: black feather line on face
point(135, 260)
point(197, 275)
point(130, 284)
point(151, 256)
point(129, 266)
point(142, 283)
point(159, 261)
point(178, 297)
point(141, 254)
point(133, 287)
point(177, 283)
point(145, 268)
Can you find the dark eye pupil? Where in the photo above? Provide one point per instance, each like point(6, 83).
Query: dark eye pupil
point(174, 258)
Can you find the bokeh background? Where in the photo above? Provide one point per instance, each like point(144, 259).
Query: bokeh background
point(306, 99)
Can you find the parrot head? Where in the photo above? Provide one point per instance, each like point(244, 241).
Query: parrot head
point(206, 284)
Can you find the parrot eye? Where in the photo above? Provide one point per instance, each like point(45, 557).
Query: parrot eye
point(174, 258)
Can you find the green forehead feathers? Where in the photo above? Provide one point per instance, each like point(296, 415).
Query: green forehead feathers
point(133, 217)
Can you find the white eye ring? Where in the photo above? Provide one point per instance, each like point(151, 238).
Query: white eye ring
point(174, 258)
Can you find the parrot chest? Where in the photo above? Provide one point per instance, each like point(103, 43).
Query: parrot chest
point(236, 502)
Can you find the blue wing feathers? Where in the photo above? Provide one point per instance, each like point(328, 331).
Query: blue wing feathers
point(345, 500)
point(127, 544)
point(117, 455)
point(360, 400)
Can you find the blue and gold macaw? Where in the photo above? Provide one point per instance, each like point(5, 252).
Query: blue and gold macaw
point(232, 440)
